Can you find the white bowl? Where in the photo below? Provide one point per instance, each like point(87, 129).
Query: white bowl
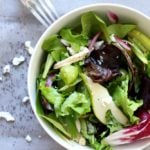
point(125, 14)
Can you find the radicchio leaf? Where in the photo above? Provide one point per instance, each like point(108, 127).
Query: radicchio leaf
point(142, 128)
point(132, 133)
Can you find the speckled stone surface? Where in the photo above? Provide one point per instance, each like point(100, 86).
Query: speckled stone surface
point(16, 26)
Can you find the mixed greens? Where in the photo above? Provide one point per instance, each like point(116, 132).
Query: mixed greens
point(95, 79)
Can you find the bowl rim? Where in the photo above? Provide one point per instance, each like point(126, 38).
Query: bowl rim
point(85, 7)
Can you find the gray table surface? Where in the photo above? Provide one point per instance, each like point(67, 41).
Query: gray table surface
point(16, 26)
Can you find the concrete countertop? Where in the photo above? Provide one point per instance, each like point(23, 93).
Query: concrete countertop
point(17, 25)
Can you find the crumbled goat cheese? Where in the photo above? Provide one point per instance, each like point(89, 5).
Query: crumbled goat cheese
point(18, 60)
point(98, 44)
point(28, 138)
point(1, 78)
point(39, 136)
point(25, 99)
point(28, 47)
point(6, 69)
point(7, 116)
point(82, 141)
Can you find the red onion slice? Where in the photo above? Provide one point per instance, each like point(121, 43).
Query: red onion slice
point(112, 17)
point(123, 43)
point(93, 41)
point(49, 80)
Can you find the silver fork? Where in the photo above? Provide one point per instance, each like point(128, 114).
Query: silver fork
point(43, 10)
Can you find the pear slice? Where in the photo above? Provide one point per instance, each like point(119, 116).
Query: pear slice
point(102, 101)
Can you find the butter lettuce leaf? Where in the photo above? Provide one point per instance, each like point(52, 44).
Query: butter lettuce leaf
point(69, 74)
point(39, 108)
point(70, 125)
point(48, 65)
point(120, 30)
point(75, 40)
point(54, 46)
point(92, 24)
point(52, 96)
point(97, 144)
point(52, 43)
point(52, 119)
point(76, 103)
point(112, 123)
point(119, 91)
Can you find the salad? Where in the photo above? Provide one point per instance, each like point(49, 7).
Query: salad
point(94, 82)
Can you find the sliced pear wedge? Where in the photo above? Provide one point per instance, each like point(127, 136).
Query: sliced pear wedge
point(102, 101)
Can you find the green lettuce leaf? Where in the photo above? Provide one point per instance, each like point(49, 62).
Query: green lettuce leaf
point(48, 65)
point(39, 108)
point(60, 134)
point(52, 119)
point(119, 91)
point(59, 55)
point(65, 125)
point(141, 37)
point(120, 30)
point(69, 74)
point(70, 125)
point(112, 123)
point(127, 105)
point(52, 44)
point(75, 40)
point(97, 144)
point(138, 50)
point(65, 88)
point(92, 24)
point(76, 102)
point(52, 96)
point(142, 42)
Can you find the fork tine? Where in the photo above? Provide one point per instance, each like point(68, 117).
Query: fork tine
point(52, 10)
point(48, 2)
point(46, 9)
point(32, 6)
point(41, 11)
point(36, 14)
